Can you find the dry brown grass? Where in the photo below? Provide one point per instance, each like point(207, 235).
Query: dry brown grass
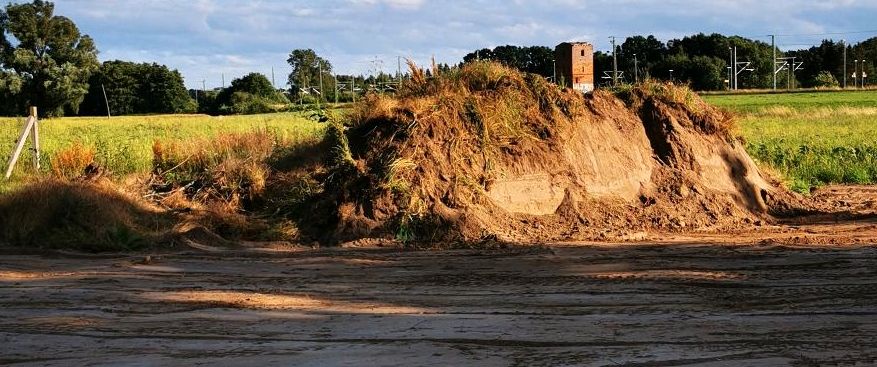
point(816, 113)
point(87, 216)
point(70, 163)
point(230, 168)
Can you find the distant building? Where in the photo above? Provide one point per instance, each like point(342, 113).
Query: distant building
point(574, 62)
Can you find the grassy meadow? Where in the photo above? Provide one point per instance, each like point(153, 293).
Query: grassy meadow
point(123, 145)
point(811, 138)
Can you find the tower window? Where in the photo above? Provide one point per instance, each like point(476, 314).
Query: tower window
point(583, 52)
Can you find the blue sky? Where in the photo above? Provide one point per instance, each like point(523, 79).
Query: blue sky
point(205, 39)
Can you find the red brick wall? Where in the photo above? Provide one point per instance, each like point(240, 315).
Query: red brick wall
point(575, 64)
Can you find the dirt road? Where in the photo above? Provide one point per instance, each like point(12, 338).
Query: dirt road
point(603, 305)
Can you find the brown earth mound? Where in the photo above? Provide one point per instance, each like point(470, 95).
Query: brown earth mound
point(487, 152)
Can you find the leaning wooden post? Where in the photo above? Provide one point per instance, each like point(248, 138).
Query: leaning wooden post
point(35, 138)
point(19, 145)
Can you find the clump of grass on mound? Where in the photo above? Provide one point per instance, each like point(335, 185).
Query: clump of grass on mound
point(85, 216)
point(706, 118)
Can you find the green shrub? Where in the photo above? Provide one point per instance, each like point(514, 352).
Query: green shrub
point(825, 80)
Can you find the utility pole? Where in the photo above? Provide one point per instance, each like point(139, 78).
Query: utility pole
point(773, 46)
point(204, 84)
point(336, 87)
point(845, 62)
point(735, 68)
point(614, 63)
point(273, 84)
point(398, 71)
point(728, 80)
point(105, 99)
point(730, 68)
point(223, 80)
point(635, 70)
point(856, 73)
point(864, 75)
point(321, 82)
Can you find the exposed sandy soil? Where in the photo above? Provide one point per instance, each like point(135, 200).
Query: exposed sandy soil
point(737, 299)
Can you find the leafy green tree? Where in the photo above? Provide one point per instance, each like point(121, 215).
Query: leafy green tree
point(252, 93)
point(163, 91)
point(306, 68)
point(44, 57)
point(648, 52)
point(867, 50)
point(825, 80)
point(602, 65)
point(827, 57)
point(134, 88)
point(719, 47)
point(206, 100)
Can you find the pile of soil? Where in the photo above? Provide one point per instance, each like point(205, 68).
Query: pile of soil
point(486, 152)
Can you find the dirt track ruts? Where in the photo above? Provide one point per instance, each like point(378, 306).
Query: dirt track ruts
point(640, 305)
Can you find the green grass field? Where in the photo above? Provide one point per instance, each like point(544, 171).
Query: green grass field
point(123, 145)
point(811, 138)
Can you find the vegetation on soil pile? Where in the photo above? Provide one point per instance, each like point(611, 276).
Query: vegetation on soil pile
point(811, 139)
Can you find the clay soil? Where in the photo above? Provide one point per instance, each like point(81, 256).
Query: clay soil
point(797, 294)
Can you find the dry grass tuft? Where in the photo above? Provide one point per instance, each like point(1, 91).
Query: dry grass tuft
point(70, 163)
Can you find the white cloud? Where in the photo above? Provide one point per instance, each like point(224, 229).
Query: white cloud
point(208, 38)
point(396, 4)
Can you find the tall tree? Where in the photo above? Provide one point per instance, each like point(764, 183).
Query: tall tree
point(648, 51)
point(133, 88)
point(306, 67)
point(252, 93)
point(45, 56)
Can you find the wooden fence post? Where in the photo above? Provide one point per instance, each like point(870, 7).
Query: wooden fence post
point(30, 124)
point(35, 138)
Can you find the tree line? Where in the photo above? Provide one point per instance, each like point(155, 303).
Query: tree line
point(702, 61)
point(45, 61)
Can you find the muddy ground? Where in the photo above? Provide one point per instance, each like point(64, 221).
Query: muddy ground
point(796, 294)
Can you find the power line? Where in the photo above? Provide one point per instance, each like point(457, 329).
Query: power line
point(825, 34)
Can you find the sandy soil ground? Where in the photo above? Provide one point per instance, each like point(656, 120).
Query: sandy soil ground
point(796, 295)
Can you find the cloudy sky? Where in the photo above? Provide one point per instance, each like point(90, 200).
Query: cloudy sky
point(205, 39)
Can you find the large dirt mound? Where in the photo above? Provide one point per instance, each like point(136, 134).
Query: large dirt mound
point(488, 152)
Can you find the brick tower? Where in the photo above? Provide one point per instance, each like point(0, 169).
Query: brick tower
point(575, 65)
